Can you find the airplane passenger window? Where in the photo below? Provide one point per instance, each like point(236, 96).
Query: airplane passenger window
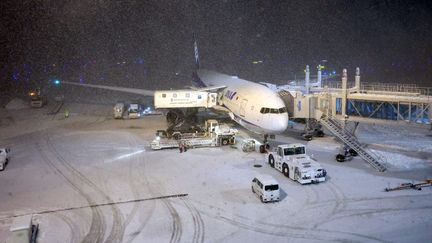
point(282, 110)
point(274, 110)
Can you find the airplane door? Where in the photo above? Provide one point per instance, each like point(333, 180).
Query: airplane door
point(243, 104)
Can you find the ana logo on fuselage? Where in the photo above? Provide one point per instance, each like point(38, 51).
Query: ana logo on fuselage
point(230, 94)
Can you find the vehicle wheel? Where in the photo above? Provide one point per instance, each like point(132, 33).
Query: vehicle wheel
point(7, 161)
point(353, 152)
point(285, 170)
point(262, 149)
point(271, 161)
point(320, 133)
point(224, 141)
point(253, 189)
point(340, 158)
point(307, 137)
point(261, 198)
point(177, 136)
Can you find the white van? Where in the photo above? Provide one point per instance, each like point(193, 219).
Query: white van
point(266, 188)
point(133, 111)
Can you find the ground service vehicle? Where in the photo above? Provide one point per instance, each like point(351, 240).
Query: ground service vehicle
point(133, 111)
point(36, 99)
point(292, 161)
point(118, 110)
point(266, 188)
point(346, 153)
point(213, 135)
point(4, 158)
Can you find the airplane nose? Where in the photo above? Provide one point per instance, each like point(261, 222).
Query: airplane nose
point(281, 123)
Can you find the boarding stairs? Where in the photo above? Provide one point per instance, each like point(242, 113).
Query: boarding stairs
point(337, 128)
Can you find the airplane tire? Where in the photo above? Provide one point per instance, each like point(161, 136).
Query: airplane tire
point(285, 170)
point(340, 158)
point(271, 161)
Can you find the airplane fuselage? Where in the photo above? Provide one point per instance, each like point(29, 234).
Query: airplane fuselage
point(252, 105)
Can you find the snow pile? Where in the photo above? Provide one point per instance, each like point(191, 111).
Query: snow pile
point(397, 161)
point(16, 104)
point(406, 137)
point(328, 144)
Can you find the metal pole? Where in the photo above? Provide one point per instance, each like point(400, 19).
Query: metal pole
point(357, 80)
point(307, 79)
point(344, 92)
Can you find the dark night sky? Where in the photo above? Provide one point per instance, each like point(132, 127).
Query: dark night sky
point(388, 40)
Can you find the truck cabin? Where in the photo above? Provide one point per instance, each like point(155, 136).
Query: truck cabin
point(295, 150)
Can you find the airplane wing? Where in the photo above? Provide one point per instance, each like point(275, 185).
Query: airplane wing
point(114, 88)
point(210, 88)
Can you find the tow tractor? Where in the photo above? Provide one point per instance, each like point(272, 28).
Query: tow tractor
point(37, 100)
point(213, 135)
point(292, 161)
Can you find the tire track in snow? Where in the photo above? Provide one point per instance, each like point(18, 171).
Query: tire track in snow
point(117, 229)
point(199, 229)
point(134, 188)
point(97, 228)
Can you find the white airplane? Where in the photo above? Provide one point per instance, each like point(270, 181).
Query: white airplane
point(252, 105)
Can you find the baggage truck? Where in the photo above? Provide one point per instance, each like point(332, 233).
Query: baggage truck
point(213, 135)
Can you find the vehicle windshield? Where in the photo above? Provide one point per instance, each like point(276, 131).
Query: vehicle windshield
point(294, 151)
point(271, 187)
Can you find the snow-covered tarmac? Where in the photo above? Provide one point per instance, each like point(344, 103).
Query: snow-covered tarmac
point(90, 178)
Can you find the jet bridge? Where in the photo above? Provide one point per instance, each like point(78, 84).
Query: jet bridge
point(184, 99)
point(354, 101)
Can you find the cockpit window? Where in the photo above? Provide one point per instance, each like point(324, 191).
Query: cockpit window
point(265, 110)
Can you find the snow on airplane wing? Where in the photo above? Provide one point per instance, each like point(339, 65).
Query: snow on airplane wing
point(115, 88)
point(210, 88)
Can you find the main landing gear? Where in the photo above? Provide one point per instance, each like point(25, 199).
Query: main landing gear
point(265, 146)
